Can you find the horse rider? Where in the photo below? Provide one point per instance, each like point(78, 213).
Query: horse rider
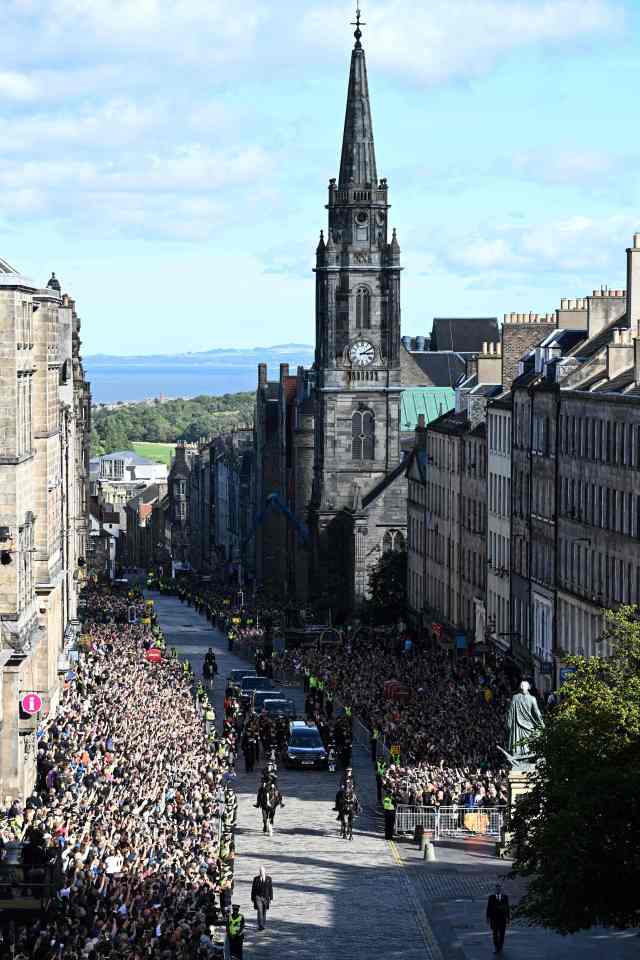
point(349, 807)
point(269, 798)
point(345, 784)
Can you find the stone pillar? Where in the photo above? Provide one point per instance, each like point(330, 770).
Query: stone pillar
point(519, 783)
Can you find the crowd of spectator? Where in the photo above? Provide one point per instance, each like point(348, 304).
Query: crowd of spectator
point(133, 807)
point(443, 717)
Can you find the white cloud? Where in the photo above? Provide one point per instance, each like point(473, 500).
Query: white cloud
point(186, 31)
point(119, 122)
point(17, 86)
point(578, 246)
point(575, 167)
point(185, 193)
point(449, 39)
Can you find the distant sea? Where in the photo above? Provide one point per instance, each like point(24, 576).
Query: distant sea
point(121, 382)
point(125, 378)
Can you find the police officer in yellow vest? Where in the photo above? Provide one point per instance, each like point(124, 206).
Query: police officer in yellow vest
point(389, 808)
point(235, 932)
point(209, 719)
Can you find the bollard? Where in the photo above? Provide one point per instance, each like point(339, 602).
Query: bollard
point(418, 836)
point(429, 852)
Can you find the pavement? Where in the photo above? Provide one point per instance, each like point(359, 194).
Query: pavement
point(368, 898)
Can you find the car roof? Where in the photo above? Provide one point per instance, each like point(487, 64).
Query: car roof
point(303, 725)
point(277, 699)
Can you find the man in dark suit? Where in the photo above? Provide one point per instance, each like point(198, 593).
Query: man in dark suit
point(498, 916)
point(261, 896)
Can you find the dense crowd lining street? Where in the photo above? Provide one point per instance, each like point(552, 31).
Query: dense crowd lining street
point(133, 798)
point(143, 800)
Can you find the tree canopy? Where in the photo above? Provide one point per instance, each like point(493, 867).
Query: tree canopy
point(577, 833)
point(388, 587)
point(168, 421)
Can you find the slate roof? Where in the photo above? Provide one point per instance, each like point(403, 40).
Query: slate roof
point(590, 347)
point(430, 401)
point(454, 423)
point(148, 495)
point(444, 368)
point(463, 334)
point(505, 402)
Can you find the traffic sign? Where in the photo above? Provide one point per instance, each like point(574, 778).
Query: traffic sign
point(566, 673)
point(154, 655)
point(31, 703)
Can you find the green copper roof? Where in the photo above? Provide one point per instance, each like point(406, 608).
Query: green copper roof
point(431, 401)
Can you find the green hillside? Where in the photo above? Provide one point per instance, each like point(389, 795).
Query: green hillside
point(159, 452)
point(167, 421)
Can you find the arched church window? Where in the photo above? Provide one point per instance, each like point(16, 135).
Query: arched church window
point(362, 435)
point(363, 309)
point(393, 540)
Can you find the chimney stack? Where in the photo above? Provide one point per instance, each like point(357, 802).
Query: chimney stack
point(633, 285)
point(262, 374)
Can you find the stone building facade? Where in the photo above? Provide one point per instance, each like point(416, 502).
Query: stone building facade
point(499, 521)
point(44, 424)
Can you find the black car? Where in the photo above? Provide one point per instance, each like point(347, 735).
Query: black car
point(281, 706)
point(235, 678)
point(259, 697)
point(249, 684)
point(305, 747)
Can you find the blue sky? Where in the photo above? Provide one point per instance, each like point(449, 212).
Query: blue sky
point(169, 158)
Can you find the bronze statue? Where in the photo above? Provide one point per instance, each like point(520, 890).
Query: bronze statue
point(523, 719)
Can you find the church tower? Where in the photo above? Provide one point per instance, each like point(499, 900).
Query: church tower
point(357, 355)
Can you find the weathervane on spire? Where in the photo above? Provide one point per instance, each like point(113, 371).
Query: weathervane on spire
point(357, 24)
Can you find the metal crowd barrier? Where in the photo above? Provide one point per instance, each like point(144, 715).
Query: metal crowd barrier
point(456, 822)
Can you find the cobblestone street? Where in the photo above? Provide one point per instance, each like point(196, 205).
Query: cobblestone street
point(332, 899)
point(454, 891)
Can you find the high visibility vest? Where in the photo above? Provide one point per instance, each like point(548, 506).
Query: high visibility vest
point(312, 683)
point(387, 803)
point(320, 684)
point(235, 925)
point(347, 711)
point(375, 734)
point(380, 768)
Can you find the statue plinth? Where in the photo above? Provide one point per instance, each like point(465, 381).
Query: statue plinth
point(519, 783)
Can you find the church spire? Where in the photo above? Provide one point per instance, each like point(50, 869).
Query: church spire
point(358, 160)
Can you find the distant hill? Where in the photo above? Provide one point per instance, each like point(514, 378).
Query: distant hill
point(279, 353)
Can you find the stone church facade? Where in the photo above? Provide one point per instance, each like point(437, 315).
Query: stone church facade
point(357, 498)
point(330, 441)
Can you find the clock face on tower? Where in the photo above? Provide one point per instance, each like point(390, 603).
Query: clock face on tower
point(361, 353)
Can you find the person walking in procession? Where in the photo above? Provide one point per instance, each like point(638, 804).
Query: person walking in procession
point(261, 896)
point(498, 916)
